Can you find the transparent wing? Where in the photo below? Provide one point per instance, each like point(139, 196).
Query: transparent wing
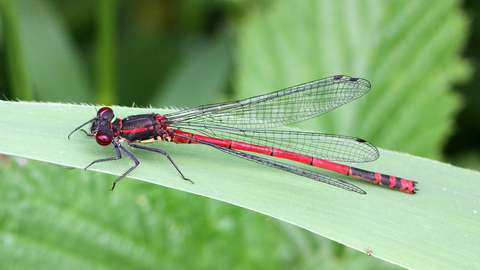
point(286, 167)
point(320, 145)
point(280, 108)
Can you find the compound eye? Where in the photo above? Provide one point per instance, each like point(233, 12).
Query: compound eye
point(103, 139)
point(105, 112)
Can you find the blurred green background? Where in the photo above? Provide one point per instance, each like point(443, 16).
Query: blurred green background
point(421, 57)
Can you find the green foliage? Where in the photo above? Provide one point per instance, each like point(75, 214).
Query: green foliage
point(410, 230)
point(54, 218)
point(408, 50)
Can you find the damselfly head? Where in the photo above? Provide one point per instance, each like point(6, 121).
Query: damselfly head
point(102, 126)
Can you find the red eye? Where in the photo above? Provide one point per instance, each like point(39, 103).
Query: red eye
point(103, 139)
point(103, 110)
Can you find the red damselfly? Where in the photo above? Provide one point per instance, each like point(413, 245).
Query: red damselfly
point(238, 126)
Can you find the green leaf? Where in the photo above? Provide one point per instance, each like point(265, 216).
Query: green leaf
point(18, 75)
point(106, 63)
point(56, 70)
point(198, 78)
point(408, 50)
point(436, 228)
point(53, 218)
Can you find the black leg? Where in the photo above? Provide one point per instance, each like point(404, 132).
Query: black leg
point(160, 151)
point(118, 145)
point(86, 133)
point(119, 155)
point(119, 148)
